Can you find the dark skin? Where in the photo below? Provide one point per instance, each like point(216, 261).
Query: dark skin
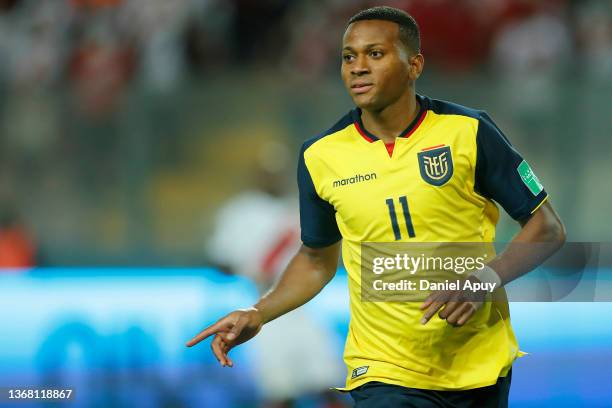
point(374, 57)
point(379, 72)
point(307, 273)
point(544, 228)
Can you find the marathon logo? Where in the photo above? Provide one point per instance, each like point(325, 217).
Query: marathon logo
point(358, 178)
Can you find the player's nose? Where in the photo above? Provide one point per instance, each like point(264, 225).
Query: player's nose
point(360, 66)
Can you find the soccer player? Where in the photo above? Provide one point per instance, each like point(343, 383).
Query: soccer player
point(402, 167)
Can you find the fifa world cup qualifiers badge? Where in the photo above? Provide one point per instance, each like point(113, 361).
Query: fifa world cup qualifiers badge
point(529, 178)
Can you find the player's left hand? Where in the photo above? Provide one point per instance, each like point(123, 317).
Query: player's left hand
point(458, 306)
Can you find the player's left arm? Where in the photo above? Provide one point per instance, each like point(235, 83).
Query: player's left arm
point(504, 176)
point(540, 236)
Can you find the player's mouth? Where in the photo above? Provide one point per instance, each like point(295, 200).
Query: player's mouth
point(361, 87)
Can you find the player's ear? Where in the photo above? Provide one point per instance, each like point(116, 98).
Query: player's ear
point(416, 66)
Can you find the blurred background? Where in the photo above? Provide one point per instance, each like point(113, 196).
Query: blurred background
point(133, 131)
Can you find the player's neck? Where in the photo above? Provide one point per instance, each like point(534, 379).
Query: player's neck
point(391, 121)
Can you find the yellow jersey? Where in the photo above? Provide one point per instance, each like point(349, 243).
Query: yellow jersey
point(439, 182)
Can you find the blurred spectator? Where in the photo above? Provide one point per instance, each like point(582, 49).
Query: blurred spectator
point(316, 35)
point(156, 27)
point(100, 68)
point(535, 45)
point(7, 5)
point(32, 42)
point(256, 234)
point(205, 39)
point(455, 35)
point(95, 3)
point(17, 248)
point(529, 55)
point(594, 35)
point(95, 96)
point(259, 30)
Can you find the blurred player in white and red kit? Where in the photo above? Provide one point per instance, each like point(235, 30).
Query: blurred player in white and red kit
point(256, 234)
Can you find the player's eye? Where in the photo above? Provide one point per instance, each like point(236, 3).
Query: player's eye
point(348, 57)
point(376, 54)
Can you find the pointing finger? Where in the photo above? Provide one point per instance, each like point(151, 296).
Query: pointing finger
point(207, 332)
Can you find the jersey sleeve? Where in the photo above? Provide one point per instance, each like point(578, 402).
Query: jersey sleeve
point(317, 216)
point(503, 175)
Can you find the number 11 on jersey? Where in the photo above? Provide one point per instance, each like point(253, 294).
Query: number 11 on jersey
point(396, 229)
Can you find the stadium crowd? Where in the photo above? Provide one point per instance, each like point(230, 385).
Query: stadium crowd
point(68, 67)
point(105, 44)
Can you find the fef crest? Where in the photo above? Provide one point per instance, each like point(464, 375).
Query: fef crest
point(436, 165)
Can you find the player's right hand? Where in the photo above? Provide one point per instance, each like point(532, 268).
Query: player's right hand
point(234, 329)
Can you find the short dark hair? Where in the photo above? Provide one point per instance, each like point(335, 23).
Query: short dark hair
point(409, 33)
